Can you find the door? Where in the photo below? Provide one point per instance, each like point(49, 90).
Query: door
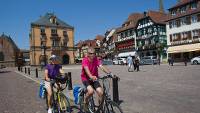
point(65, 59)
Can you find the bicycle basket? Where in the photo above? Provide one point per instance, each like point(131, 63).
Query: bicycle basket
point(61, 79)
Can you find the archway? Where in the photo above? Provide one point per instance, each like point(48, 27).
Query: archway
point(65, 59)
point(147, 54)
point(43, 59)
point(1, 56)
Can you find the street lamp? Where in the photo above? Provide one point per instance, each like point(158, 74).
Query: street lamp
point(43, 47)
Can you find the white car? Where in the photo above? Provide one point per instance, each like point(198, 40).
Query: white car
point(119, 61)
point(195, 60)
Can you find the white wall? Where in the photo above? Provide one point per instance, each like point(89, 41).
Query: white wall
point(183, 28)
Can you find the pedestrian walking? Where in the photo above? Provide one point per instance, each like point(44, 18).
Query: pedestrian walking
point(185, 61)
point(169, 61)
point(130, 62)
point(137, 63)
point(172, 61)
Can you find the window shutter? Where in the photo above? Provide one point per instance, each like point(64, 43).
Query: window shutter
point(178, 23)
point(188, 20)
point(170, 38)
point(198, 17)
point(170, 24)
point(189, 35)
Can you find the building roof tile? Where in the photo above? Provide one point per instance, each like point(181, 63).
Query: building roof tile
point(130, 22)
point(45, 21)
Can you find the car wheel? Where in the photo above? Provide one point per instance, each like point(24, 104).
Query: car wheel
point(195, 62)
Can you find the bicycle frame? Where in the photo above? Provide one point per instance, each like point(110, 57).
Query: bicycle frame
point(57, 97)
point(104, 97)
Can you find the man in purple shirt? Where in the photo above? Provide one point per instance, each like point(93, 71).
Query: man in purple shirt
point(51, 71)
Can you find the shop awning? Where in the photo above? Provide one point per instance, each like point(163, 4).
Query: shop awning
point(184, 48)
point(126, 54)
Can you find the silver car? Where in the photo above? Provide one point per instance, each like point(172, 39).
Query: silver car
point(149, 60)
point(195, 60)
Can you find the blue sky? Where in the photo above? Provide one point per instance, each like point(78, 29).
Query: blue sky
point(89, 17)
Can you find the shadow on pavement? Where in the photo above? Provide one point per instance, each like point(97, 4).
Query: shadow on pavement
point(4, 71)
point(120, 102)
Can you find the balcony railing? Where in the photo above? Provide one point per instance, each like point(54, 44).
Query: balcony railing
point(55, 47)
point(54, 34)
point(55, 38)
point(42, 33)
point(181, 42)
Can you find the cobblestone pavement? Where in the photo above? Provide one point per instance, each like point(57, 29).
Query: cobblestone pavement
point(154, 89)
point(18, 94)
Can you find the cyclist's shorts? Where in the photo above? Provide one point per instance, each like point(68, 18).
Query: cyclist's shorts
point(47, 84)
point(94, 84)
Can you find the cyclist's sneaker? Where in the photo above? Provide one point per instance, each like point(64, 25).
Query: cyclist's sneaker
point(50, 110)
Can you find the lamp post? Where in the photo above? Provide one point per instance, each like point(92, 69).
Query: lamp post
point(43, 47)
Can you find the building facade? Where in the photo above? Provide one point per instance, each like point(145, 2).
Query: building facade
point(49, 35)
point(151, 35)
point(9, 52)
point(82, 46)
point(126, 36)
point(183, 30)
point(108, 44)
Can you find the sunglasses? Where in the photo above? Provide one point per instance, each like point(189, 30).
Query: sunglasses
point(91, 53)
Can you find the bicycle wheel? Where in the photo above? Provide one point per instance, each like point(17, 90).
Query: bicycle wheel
point(91, 105)
point(63, 104)
point(111, 107)
point(94, 106)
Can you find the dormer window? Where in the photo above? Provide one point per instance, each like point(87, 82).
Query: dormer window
point(53, 20)
point(194, 5)
point(173, 13)
point(183, 9)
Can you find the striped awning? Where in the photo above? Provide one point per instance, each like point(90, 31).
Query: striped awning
point(184, 48)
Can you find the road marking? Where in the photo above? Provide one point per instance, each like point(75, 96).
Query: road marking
point(27, 77)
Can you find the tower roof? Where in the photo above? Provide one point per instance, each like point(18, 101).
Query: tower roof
point(45, 21)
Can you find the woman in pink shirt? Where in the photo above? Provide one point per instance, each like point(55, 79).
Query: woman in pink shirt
point(89, 74)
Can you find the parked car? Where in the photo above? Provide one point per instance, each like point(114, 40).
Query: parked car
point(149, 60)
point(195, 60)
point(107, 62)
point(2, 66)
point(119, 61)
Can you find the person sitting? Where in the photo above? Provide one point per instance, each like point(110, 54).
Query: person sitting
point(52, 70)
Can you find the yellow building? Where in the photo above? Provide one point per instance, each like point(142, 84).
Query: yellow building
point(49, 35)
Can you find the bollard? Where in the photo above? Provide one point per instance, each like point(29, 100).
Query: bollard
point(70, 81)
point(29, 71)
point(25, 70)
point(21, 69)
point(18, 68)
point(115, 89)
point(36, 73)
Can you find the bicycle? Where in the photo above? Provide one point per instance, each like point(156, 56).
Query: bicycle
point(60, 103)
point(106, 105)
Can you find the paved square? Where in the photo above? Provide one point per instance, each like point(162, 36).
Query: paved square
point(155, 89)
